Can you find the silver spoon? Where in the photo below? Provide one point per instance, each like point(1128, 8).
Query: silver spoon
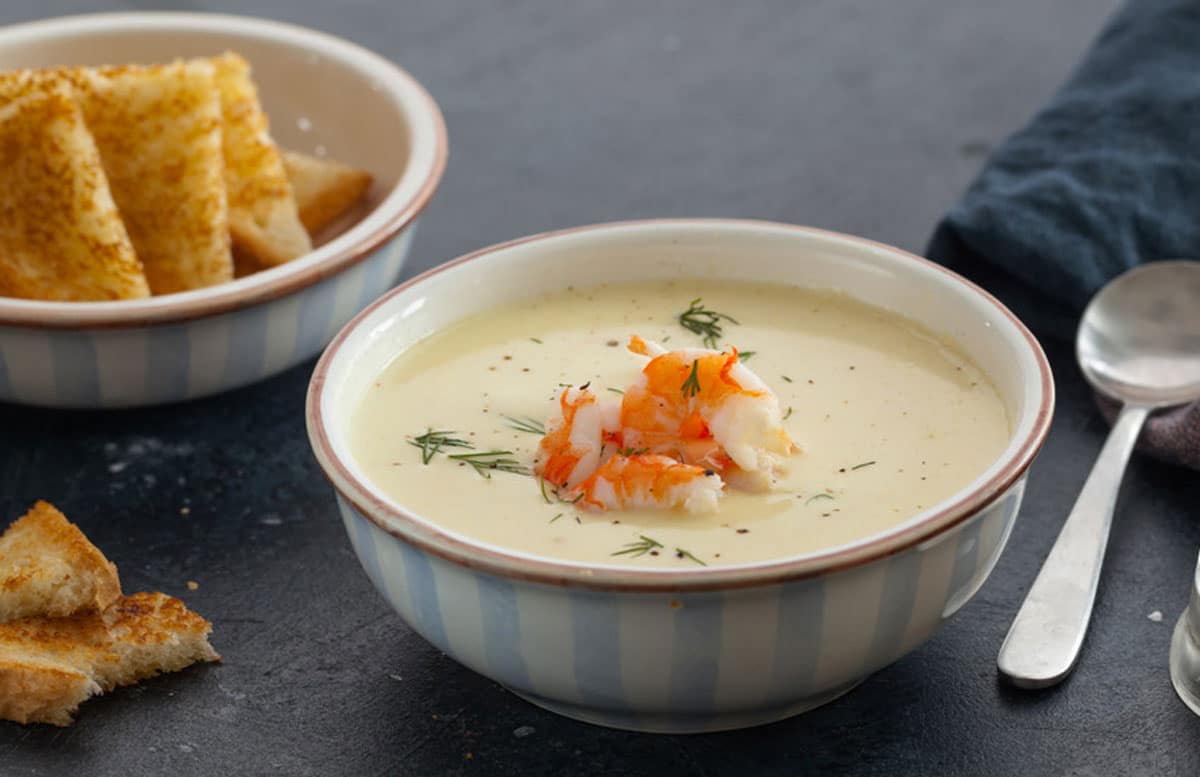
point(1139, 343)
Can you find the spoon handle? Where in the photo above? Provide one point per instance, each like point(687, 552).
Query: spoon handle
point(1044, 640)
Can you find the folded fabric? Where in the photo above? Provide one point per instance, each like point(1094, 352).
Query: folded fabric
point(1171, 435)
point(1104, 178)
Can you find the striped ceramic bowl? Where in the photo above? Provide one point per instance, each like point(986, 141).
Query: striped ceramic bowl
point(181, 346)
point(701, 649)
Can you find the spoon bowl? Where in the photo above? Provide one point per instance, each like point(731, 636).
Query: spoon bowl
point(1139, 340)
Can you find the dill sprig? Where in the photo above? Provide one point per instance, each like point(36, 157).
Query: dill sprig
point(864, 464)
point(815, 497)
point(681, 553)
point(632, 451)
point(536, 340)
point(704, 322)
point(788, 414)
point(615, 390)
point(525, 424)
point(744, 355)
point(640, 548)
point(555, 518)
point(691, 386)
point(557, 493)
point(432, 442)
point(486, 461)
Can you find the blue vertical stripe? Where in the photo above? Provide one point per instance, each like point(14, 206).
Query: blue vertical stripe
point(895, 608)
point(502, 630)
point(798, 638)
point(378, 274)
point(398, 252)
point(696, 653)
point(246, 358)
point(1006, 512)
point(168, 352)
point(423, 594)
point(963, 580)
point(596, 631)
point(364, 545)
point(76, 376)
point(316, 313)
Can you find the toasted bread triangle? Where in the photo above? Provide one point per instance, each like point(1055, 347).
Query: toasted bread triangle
point(48, 666)
point(158, 128)
point(158, 131)
point(61, 236)
point(262, 212)
point(48, 567)
point(324, 189)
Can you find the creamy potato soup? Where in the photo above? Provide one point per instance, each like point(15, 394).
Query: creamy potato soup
point(886, 420)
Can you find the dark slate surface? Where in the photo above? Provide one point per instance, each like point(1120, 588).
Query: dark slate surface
point(862, 116)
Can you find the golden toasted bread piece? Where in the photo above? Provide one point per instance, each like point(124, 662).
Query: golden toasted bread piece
point(262, 213)
point(48, 666)
point(324, 189)
point(61, 236)
point(158, 128)
point(48, 567)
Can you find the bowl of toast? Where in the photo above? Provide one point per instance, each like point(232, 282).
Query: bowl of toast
point(195, 202)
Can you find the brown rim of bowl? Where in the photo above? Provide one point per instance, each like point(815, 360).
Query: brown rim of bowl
point(431, 538)
point(228, 297)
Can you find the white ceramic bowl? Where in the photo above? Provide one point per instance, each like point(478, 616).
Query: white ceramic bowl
point(708, 648)
point(323, 95)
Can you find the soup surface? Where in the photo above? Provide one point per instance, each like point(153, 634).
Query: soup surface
point(889, 420)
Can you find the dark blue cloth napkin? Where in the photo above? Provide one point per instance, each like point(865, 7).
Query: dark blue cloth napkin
point(1105, 177)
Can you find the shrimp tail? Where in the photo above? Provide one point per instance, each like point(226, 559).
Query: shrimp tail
point(647, 348)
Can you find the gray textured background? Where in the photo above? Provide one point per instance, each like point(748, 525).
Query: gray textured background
point(867, 117)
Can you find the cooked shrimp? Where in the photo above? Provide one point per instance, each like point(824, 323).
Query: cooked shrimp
point(648, 480)
point(575, 441)
point(705, 407)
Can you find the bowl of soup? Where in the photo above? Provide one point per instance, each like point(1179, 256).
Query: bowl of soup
point(681, 475)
